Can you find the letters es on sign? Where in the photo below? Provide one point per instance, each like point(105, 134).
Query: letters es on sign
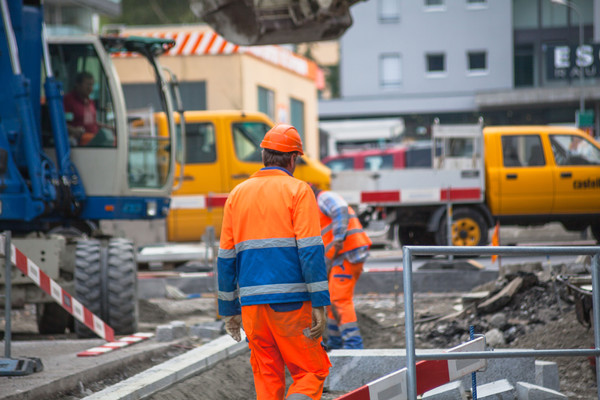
point(566, 62)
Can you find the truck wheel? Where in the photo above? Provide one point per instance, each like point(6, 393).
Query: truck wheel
point(52, 319)
point(88, 281)
point(106, 283)
point(468, 229)
point(121, 287)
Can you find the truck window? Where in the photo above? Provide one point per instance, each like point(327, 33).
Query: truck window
point(200, 143)
point(88, 100)
point(574, 150)
point(341, 164)
point(522, 151)
point(375, 163)
point(246, 138)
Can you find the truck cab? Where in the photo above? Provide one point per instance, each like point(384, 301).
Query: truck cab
point(538, 174)
point(222, 150)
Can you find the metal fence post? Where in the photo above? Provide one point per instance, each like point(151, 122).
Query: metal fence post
point(411, 369)
point(596, 311)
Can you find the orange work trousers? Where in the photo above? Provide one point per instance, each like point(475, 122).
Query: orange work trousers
point(341, 315)
point(276, 340)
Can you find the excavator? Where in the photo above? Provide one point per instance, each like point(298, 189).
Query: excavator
point(56, 188)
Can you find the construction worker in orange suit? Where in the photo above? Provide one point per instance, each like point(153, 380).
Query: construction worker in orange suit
point(346, 248)
point(272, 276)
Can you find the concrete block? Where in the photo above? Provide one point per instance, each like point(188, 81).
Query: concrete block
point(351, 369)
point(546, 375)
point(529, 391)
point(208, 330)
point(517, 369)
point(449, 391)
point(498, 390)
point(179, 329)
point(164, 333)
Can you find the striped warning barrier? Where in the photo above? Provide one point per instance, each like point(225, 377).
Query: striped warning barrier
point(194, 202)
point(119, 344)
point(62, 297)
point(430, 374)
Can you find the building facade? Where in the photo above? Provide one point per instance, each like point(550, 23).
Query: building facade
point(217, 75)
point(508, 61)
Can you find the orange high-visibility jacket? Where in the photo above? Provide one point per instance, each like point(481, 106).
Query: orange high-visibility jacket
point(355, 235)
point(271, 250)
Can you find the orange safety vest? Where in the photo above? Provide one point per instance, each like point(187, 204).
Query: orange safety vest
point(355, 235)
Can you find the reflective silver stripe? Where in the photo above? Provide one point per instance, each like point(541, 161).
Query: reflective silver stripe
point(328, 247)
point(317, 286)
point(333, 332)
point(229, 253)
point(265, 244)
point(330, 225)
point(273, 289)
point(348, 334)
point(310, 241)
point(228, 296)
point(297, 396)
point(349, 325)
point(353, 231)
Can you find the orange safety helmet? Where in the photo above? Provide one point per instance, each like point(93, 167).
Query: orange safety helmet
point(283, 138)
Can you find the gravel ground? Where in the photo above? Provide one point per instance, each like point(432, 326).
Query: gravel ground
point(538, 317)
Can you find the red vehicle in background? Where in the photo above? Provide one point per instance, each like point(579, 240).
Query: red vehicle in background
point(412, 156)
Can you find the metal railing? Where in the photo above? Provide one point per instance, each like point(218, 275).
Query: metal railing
point(411, 357)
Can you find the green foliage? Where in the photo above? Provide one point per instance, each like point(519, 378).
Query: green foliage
point(154, 12)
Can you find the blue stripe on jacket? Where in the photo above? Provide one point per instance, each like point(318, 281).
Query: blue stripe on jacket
point(272, 275)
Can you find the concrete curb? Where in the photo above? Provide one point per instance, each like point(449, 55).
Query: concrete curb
point(176, 369)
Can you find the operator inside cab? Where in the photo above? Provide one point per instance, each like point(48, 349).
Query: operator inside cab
point(80, 113)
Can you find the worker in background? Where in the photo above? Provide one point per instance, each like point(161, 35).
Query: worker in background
point(272, 274)
point(346, 248)
point(80, 110)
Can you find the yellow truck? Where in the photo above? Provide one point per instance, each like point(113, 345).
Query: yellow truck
point(516, 175)
point(222, 149)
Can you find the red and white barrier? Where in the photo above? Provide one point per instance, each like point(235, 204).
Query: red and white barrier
point(430, 374)
point(195, 202)
point(62, 297)
point(119, 344)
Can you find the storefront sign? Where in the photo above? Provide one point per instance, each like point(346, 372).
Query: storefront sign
point(567, 62)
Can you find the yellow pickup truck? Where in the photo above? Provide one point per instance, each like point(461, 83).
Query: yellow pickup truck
point(516, 175)
point(222, 149)
point(538, 174)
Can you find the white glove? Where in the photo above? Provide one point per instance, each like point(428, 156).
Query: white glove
point(233, 324)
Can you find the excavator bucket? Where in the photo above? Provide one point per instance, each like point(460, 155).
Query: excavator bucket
point(260, 22)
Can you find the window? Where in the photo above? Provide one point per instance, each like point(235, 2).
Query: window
point(266, 102)
point(390, 67)
point(341, 164)
point(522, 151)
point(200, 143)
point(246, 140)
point(476, 3)
point(477, 61)
point(297, 116)
point(375, 163)
point(435, 5)
point(389, 10)
point(524, 65)
point(525, 14)
point(436, 63)
point(574, 150)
